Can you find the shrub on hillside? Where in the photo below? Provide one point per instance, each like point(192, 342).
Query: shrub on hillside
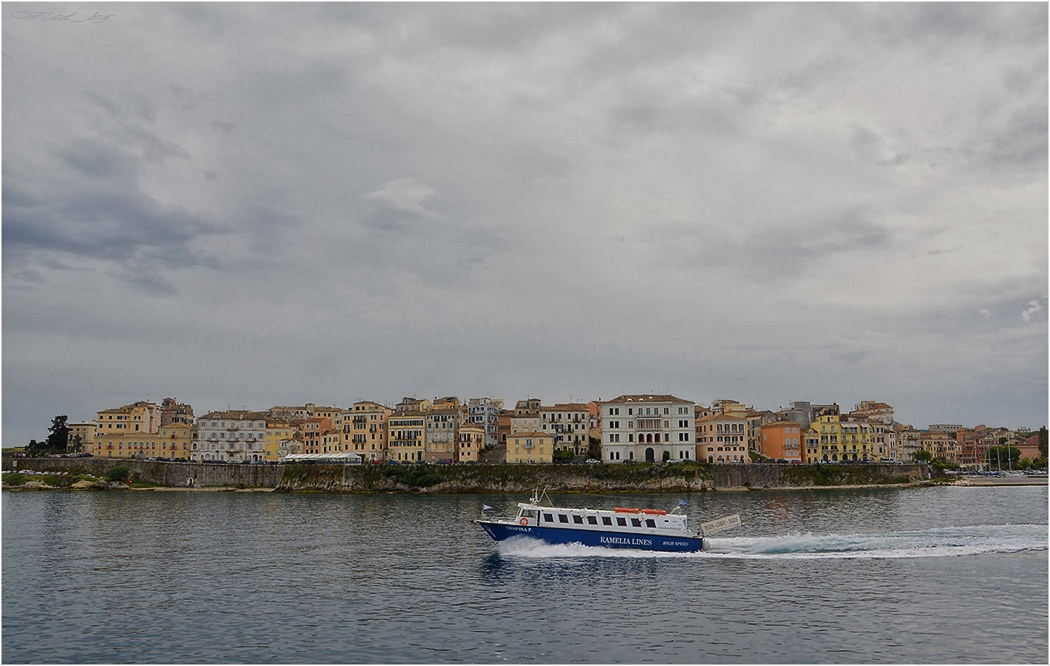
point(117, 473)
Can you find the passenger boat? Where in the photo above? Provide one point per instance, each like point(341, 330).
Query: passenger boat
point(621, 527)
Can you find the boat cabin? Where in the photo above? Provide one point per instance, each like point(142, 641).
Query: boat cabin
point(643, 521)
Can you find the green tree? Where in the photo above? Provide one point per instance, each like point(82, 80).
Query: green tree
point(35, 449)
point(1042, 442)
point(59, 434)
point(922, 456)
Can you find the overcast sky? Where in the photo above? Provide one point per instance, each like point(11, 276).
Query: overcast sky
point(245, 205)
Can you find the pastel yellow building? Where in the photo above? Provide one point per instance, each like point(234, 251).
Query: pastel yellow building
point(85, 431)
point(530, 447)
point(172, 442)
point(278, 430)
point(365, 430)
point(176, 440)
point(941, 445)
point(405, 434)
point(721, 438)
point(845, 440)
point(138, 417)
point(470, 441)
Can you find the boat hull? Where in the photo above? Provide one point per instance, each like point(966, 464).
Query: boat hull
point(500, 531)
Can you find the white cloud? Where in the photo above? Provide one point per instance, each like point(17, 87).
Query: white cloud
point(1031, 310)
point(408, 195)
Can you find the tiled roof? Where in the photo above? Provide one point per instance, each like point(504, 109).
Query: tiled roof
point(646, 398)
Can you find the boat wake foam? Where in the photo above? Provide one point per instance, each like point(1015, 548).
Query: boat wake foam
point(940, 542)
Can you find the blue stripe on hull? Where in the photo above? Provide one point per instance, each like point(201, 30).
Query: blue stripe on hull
point(555, 535)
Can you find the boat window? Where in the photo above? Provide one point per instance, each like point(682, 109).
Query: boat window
point(578, 520)
point(531, 513)
point(622, 522)
point(563, 518)
point(635, 522)
point(606, 520)
point(548, 517)
point(592, 520)
point(649, 522)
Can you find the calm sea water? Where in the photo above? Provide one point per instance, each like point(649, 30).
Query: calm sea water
point(935, 575)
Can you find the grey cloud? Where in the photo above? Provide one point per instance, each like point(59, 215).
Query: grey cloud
point(131, 120)
point(97, 211)
point(779, 251)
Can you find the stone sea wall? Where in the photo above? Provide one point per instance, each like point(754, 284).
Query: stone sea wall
point(682, 477)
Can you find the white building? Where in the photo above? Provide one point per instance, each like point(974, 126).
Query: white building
point(647, 428)
point(232, 436)
point(485, 413)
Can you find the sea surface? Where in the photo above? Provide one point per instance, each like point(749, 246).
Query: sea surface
point(882, 575)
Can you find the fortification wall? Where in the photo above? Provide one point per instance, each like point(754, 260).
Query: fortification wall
point(690, 477)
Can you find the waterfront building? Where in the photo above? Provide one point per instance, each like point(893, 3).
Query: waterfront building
point(312, 430)
point(367, 430)
point(291, 413)
point(530, 447)
point(82, 435)
point(874, 412)
point(879, 445)
point(412, 405)
point(331, 441)
point(909, 442)
point(405, 436)
point(844, 440)
point(333, 414)
point(570, 425)
point(527, 407)
point(941, 444)
point(753, 423)
point(289, 447)
point(731, 408)
point(138, 417)
point(812, 446)
point(944, 427)
point(440, 424)
point(721, 438)
point(278, 430)
point(171, 411)
point(525, 417)
point(485, 413)
point(230, 436)
point(804, 413)
point(175, 441)
point(1030, 447)
point(784, 440)
point(470, 439)
point(647, 428)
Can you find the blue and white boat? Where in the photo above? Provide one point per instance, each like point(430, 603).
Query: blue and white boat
point(621, 527)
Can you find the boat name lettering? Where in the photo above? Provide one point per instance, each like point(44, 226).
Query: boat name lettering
point(626, 541)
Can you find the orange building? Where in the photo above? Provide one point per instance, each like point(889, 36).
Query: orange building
point(783, 440)
point(313, 431)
